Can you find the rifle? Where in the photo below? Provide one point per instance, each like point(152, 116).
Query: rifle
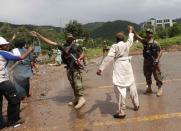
point(74, 60)
point(155, 63)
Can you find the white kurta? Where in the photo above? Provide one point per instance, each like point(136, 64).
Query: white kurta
point(122, 69)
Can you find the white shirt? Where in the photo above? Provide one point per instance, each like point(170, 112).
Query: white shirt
point(16, 52)
point(122, 69)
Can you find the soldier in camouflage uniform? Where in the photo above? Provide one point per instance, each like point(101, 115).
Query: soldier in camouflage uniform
point(73, 70)
point(152, 54)
point(105, 48)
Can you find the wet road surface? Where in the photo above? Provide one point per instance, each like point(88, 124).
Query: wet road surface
point(48, 110)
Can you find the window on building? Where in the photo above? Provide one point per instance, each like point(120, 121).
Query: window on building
point(167, 20)
point(159, 21)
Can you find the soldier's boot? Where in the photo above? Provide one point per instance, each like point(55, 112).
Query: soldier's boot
point(81, 102)
point(159, 92)
point(73, 103)
point(148, 90)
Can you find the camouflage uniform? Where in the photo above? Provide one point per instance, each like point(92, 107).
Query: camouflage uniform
point(74, 72)
point(75, 78)
point(150, 53)
point(105, 48)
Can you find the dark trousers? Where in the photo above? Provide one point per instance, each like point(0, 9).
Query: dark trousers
point(22, 86)
point(8, 90)
point(150, 69)
point(27, 87)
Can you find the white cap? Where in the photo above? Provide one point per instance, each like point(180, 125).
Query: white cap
point(3, 41)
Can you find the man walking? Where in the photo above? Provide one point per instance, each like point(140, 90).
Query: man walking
point(123, 77)
point(151, 65)
point(105, 48)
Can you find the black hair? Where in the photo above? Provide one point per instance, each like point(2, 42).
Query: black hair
point(19, 43)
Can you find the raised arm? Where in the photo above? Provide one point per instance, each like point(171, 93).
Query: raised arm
point(10, 56)
point(46, 40)
point(131, 36)
point(13, 37)
point(25, 54)
point(138, 37)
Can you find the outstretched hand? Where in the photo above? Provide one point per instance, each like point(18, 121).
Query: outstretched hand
point(34, 33)
point(14, 36)
point(156, 62)
point(130, 29)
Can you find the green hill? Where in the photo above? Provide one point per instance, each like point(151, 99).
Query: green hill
point(7, 30)
point(92, 26)
point(28, 26)
point(107, 30)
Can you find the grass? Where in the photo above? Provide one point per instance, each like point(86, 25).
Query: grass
point(168, 42)
point(136, 47)
point(93, 53)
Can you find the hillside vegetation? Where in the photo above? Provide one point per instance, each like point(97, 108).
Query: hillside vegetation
point(95, 34)
point(108, 30)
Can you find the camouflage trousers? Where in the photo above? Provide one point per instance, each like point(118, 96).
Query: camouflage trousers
point(75, 79)
point(149, 69)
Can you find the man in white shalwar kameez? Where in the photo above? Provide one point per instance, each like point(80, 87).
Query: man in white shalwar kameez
point(123, 77)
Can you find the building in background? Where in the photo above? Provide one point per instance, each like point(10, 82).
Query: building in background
point(164, 23)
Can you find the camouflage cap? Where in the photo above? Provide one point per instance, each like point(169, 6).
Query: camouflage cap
point(149, 30)
point(69, 35)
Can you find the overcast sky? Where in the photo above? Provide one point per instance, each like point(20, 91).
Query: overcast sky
point(59, 12)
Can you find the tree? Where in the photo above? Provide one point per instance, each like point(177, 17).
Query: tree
point(86, 34)
point(6, 31)
point(175, 30)
point(76, 29)
point(161, 32)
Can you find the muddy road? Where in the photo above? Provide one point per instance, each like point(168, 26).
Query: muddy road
point(47, 109)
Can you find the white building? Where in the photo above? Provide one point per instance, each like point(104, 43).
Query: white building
point(159, 23)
